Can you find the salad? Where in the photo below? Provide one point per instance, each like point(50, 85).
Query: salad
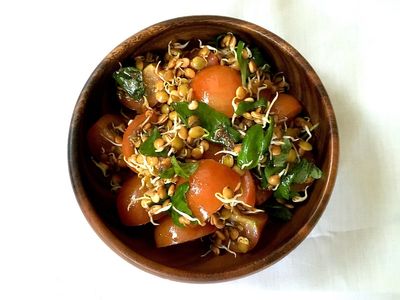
point(208, 144)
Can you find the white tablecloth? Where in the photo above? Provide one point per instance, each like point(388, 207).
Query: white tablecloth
point(48, 50)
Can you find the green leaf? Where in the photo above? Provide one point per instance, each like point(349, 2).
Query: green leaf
point(178, 200)
point(130, 80)
point(269, 133)
point(280, 160)
point(279, 211)
point(298, 174)
point(184, 170)
point(243, 63)
point(260, 60)
point(258, 57)
point(245, 106)
point(217, 124)
point(167, 173)
point(270, 170)
point(305, 169)
point(148, 149)
point(252, 148)
point(283, 190)
point(254, 145)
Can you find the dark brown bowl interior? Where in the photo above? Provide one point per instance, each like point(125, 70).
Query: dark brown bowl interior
point(184, 262)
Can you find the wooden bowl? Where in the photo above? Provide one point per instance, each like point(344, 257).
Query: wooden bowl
point(183, 262)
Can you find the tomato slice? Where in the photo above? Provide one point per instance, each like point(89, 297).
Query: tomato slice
point(252, 228)
point(167, 233)
point(249, 189)
point(133, 128)
point(104, 135)
point(210, 178)
point(133, 214)
point(216, 85)
point(286, 107)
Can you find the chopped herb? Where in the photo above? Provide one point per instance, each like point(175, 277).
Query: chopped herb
point(260, 60)
point(280, 160)
point(245, 106)
point(148, 149)
point(130, 80)
point(184, 170)
point(269, 133)
point(243, 63)
point(178, 201)
point(305, 169)
point(270, 170)
point(279, 211)
point(217, 124)
point(298, 174)
point(254, 145)
point(252, 148)
point(258, 57)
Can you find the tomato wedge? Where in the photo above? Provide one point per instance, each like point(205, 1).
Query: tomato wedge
point(134, 214)
point(167, 233)
point(216, 85)
point(134, 126)
point(210, 178)
point(248, 188)
point(286, 107)
point(252, 228)
point(103, 135)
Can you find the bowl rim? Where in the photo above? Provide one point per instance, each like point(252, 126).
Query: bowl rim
point(153, 267)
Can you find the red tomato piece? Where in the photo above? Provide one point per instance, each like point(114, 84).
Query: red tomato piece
point(210, 178)
point(286, 107)
point(249, 189)
point(132, 214)
point(216, 85)
point(134, 126)
point(104, 134)
point(167, 233)
point(252, 228)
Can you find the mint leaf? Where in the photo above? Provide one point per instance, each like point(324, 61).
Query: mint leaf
point(298, 174)
point(283, 190)
point(167, 173)
point(245, 106)
point(184, 170)
point(217, 124)
point(130, 80)
point(148, 149)
point(254, 145)
point(305, 169)
point(280, 160)
point(252, 148)
point(178, 201)
point(268, 134)
point(243, 63)
point(279, 211)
